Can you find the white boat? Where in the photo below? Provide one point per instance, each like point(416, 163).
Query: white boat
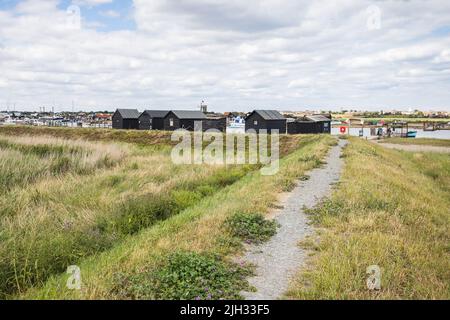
point(237, 125)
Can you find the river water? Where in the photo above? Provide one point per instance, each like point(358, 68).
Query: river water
point(439, 134)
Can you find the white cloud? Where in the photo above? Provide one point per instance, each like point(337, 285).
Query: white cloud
point(91, 3)
point(300, 83)
point(110, 13)
point(235, 54)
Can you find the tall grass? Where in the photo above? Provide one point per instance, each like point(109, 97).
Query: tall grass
point(49, 221)
point(199, 228)
point(154, 138)
point(390, 209)
point(41, 236)
point(25, 159)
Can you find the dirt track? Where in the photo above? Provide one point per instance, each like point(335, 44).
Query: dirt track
point(278, 260)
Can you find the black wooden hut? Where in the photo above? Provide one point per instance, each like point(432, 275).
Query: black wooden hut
point(218, 123)
point(266, 119)
point(126, 119)
point(178, 119)
point(152, 119)
point(310, 125)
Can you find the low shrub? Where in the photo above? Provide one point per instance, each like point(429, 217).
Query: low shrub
point(251, 228)
point(183, 199)
point(207, 190)
point(141, 212)
point(186, 276)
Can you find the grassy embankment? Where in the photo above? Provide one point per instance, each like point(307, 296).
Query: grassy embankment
point(390, 209)
point(63, 200)
point(71, 200)
point(181, 255)
point(419, 141)
point(155, 139)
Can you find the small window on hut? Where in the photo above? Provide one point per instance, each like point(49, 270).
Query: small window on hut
point(255, 122)
point(171, 122)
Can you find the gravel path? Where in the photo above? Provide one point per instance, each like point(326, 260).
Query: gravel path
point(279, 259)
point(415, 147)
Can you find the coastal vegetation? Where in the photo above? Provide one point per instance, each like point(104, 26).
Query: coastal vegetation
point(122, 219)
point(390, 209)
point(419, 141)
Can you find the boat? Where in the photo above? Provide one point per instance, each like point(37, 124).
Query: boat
point(411, 134)
point(237, 125)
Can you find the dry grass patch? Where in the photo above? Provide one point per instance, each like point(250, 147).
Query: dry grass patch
point(419, 141)
point(390, 209)
point(51, 219)
point(199, 228)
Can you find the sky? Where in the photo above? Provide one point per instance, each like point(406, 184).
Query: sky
point(233, 54)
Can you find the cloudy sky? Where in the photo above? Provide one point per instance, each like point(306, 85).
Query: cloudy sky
point(234, 54)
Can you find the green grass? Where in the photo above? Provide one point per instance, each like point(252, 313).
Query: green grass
point(251, 228)
point(419, 141)
point(199, 232)
point(66, 200)
point(54, 223)
point(155, 138)
point(391, 209)
point(24, 160)
point(186, 276)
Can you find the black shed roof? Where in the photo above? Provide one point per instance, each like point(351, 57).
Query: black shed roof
point(129, 113)
point(156, 113)
point(269, 114)
point(189, 114)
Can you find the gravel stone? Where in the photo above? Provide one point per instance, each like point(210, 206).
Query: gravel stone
point(278, 260)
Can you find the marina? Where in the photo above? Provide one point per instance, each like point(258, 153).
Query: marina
point(438, 134)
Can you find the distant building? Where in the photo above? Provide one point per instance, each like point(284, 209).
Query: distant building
point(152, 119)
point(102, 117)
point(310, 125)
point(218, 123)
point(179, 119)
point(126, 119)
point(266, 120)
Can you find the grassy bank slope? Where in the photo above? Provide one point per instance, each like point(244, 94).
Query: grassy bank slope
point(390, 209)
point(130, 136)
point(197, 231)
point(154, 138)
point(64, 200)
